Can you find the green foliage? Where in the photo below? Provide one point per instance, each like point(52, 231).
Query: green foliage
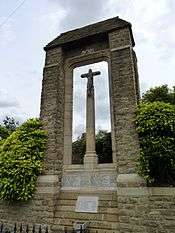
point(4, 133)
point(21, 156)
point(9, 126)
point(156, 128)
point(79, 149)
point(103, 148)
point(161, 93)
point(10, 123)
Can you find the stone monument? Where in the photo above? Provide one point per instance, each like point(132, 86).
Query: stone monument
point(91, 184)
point(90, 160)
point(107, 198)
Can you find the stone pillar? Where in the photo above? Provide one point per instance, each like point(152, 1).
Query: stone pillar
point(124, 100)
point(52, 110)
point(90, 160)
point(52, 116)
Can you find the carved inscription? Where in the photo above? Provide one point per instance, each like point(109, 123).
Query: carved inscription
point(81, 180)
point(87, 51)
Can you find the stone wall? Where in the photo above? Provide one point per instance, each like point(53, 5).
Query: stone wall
point(39, 210)
point(146, 210)
point(130, 210)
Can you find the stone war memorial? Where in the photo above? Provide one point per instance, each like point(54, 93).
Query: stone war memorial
point(102, 197)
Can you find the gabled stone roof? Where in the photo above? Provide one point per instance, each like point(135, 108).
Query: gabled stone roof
point(89, 30)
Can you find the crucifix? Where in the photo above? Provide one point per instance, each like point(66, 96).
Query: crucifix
point(90, 159)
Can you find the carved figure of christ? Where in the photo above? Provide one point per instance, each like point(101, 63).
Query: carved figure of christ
point(90, 159)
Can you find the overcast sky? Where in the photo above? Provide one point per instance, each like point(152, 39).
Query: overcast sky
point(35, 23)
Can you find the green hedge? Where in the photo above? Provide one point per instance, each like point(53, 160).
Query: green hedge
point(156, 128)
point(21, 159)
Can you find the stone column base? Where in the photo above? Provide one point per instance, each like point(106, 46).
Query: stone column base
point(90, 160)
point(130, 180)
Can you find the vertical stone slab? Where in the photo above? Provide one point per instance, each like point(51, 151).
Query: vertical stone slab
point(124, 100)
point(52, 110)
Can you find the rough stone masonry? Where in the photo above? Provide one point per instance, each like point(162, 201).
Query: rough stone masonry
point(125, 204)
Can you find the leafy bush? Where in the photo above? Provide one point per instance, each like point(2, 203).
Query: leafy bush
point(156, 128)
point(21, 156)
point(160, 93)
point(4, 133)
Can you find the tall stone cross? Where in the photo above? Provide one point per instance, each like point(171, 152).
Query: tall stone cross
point(90, 159)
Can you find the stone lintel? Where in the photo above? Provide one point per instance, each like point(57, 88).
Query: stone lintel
point(95, 29)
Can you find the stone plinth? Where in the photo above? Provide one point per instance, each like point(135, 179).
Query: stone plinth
point(103, 177)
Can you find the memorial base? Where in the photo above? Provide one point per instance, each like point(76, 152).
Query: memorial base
point(78, 177)
point(97, 208)
point(90, 160)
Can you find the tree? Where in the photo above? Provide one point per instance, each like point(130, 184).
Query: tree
point(160, 93)
point(9, 125)
point(79, 149)
point(156, 128)
point(103, 148)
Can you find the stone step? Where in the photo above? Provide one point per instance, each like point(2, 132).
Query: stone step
point(105, 196)
point(105, 210)
point(95, 229)
point(95, 224)
point(106, 220)
point(87, 216)
point(101, 203)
